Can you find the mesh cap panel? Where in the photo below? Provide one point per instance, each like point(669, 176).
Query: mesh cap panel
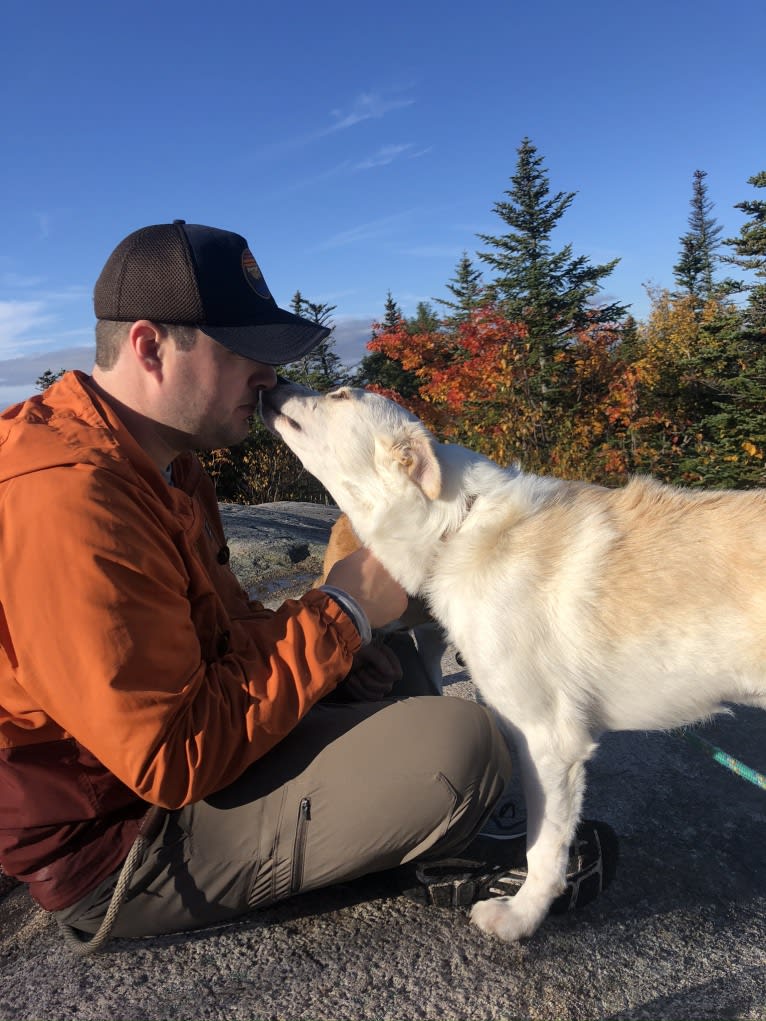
point(149, 276)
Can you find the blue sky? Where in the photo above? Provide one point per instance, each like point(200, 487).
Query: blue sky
point(359, 147)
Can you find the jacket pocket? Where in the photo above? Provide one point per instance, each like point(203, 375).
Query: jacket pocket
point(299, 847)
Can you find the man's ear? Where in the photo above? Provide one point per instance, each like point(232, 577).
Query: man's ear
point(146, 341)
point(416, 454)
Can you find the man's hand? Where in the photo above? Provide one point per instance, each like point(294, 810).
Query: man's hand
point(374, 673)
point(364, 577)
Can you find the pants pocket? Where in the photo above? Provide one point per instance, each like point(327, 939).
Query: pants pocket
point(299, 847)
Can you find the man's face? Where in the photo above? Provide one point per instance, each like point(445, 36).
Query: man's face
point(210, 393)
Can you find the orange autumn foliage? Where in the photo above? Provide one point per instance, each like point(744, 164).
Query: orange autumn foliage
point(483, 384)
point(599, 405)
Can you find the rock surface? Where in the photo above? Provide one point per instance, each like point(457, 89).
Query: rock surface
point(277, 548)
point(681, 934)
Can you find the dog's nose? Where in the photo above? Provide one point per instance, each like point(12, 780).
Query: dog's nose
point(264, 404)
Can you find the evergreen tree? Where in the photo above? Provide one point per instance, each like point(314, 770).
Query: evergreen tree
point(728, 371)
point(750, 249)
point(425, 319)
point(629, 339)
point(688, 270)
point(467, 289)
point(377, 369)
point(48, 378)
point(550, 292)
point(321, 368)
point(392, 314)
point(694, 269)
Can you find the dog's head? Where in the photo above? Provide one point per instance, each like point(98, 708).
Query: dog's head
point(368, 452)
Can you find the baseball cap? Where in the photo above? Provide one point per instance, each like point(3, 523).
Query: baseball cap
point(201, 276)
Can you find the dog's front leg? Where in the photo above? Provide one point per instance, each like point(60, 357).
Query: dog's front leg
point(553, 775)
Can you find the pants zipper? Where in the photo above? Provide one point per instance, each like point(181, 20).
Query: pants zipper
point(299, 850)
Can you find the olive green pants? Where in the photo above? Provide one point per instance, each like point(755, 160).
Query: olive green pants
point(356, 788)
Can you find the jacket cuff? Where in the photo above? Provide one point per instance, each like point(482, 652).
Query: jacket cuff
point(353, 609)
point(335, 615)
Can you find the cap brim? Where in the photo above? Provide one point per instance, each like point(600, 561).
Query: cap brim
point(286, 339)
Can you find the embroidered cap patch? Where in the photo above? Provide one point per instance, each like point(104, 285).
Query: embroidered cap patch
point(254, 276)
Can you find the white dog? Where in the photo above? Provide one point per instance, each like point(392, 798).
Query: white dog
point(577, 609)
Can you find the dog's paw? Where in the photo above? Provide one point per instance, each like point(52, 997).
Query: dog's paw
point(504, 918)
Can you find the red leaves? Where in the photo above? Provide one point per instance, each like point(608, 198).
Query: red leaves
point(597, 405)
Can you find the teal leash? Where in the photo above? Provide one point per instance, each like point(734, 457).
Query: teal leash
point(724, 759)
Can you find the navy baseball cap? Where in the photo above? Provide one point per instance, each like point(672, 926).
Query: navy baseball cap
point(204, 277)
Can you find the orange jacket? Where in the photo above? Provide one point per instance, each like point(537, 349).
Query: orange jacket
point(133, 666)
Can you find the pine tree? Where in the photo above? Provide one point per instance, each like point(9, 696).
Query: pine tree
point(688, 270)
point(550, 292)
point(321, 368)
point(737, 426)
point(392, 314)
point(468, 290)
point(425, 319)
point(377, 369)
point(728, 368)
point(48, 378)
point(750, 249)
point(629, 339)
point(694, 269)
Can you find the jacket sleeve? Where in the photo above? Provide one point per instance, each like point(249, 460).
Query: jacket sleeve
point(117, 642)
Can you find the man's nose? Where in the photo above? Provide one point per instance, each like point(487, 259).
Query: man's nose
point(263, 378)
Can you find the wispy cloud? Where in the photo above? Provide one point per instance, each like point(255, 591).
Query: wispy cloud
point(382, 157)
point(13, 281)
point(351, 336)
point(43, 224)
point(25, 370)
point(29, 312)
point(18, 375)
point(325, 175)
point(366, 106)
point(388, 153)
point(17, 318)
point(433, 251)
point(370, 231)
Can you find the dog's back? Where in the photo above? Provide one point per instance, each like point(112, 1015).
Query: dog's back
point(647, 603)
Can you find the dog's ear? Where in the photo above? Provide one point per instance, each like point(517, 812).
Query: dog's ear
point(416, 454)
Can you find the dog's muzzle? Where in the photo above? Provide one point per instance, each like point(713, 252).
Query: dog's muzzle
point(271, 403)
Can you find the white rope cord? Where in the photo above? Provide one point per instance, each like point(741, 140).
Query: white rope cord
point(77, 940)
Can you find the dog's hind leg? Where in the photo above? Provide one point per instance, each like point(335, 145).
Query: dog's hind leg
point(553, 775)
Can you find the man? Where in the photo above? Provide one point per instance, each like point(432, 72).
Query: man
point(167, 745)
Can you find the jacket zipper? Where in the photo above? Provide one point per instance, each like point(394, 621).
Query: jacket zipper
point(299, 850)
